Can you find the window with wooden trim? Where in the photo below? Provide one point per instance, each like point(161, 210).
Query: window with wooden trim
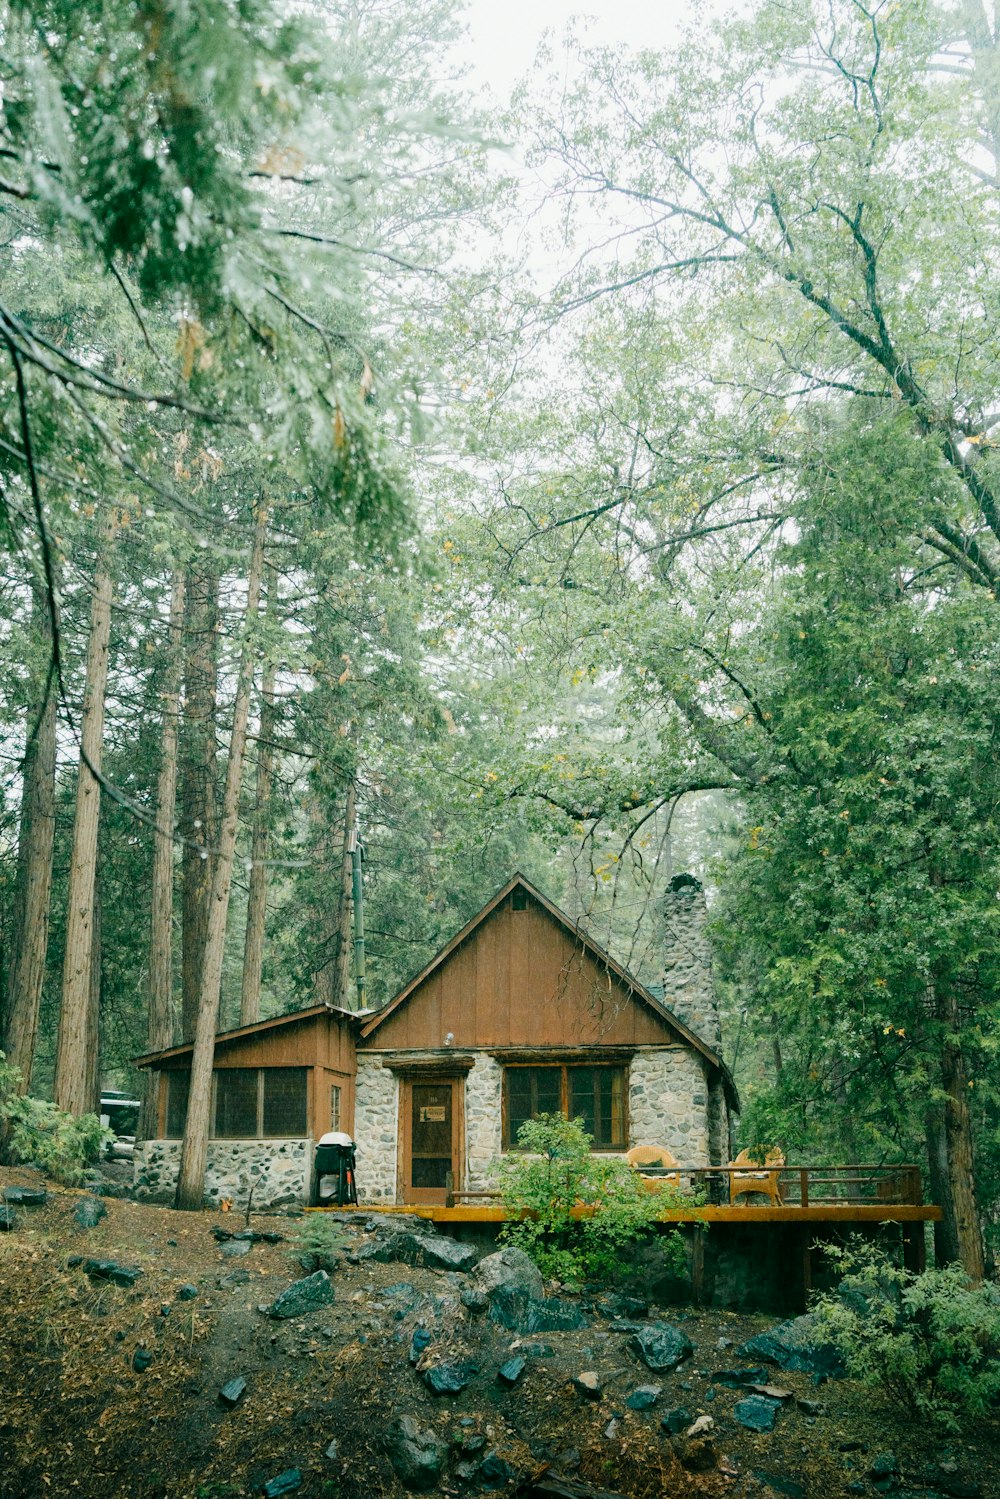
point(335, 1106)
point(255, 1103)
point(594, 1094)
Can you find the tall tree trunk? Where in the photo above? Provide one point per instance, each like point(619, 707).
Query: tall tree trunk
point(958, 1139)
point(194, 1148)
point(946, 1245)
point(92, 1086)
point(342, 987)
point(253, 951)
point(160, 1021)
point(72, 1060)
point(33, 886)
point(199, 813)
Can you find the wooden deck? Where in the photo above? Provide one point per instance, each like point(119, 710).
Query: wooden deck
point(467, 1212)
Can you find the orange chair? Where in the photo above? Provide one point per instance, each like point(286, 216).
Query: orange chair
point(742, 1183)
point(655, 1155)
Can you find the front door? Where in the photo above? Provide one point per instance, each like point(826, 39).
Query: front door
point(430, 1153)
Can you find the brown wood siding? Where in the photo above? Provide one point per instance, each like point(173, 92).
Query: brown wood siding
point(520, 979)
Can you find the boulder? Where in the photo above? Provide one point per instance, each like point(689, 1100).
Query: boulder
point(302, 1296)
point(509, 1373)
point(450, 1378)
point(589, 1384)
point(798, 1345)
point(434, 1251)
point(8, 1218)
point(509, 1267)
point(235, 1249)
point(756, 1413)
point(285, 1483)
point(511, 1307)
point(416, 1452)
point(118, 1275)
point(737, 1379)
point(89, 1212)
point(661, 1345)
point(232, 1391)
point(141, 1360)
point(474, 1298)
point(26, 1197)
point(677, 1420)
point(189, 1292)
point(644, 1398)
point(618, 1305)
point(494, 1472)
point(419, 1343)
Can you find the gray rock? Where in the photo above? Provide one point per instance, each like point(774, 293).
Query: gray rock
point(509, 1267)
point(8, 1218)
point(141, 1360)
point(809, 1407)
point(736, 1379)
point(589, 1384)
point(237, 1277)
point(302, 1296)
point(779, 1484)
point(285, 1483)
point(26, 1197)
point(332, 1452)
point(509, 1373)
point(232, 1391)
point(884, 1465)
point(677, 1420)
point(118, 1275)
point(661, 1345)
point(416, 1452)
point(419, 1343)
point(450, 1378)
point(434, 1251)
point(798, 1345)
point(474, 1298)
point(645, 1397)
point(89, 1212)
point(511, 1307)
point(494, 1472)
point(235, 1249)
point(756, 1413)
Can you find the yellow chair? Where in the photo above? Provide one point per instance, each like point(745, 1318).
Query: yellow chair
point(655, 1155)
point(741, 1183)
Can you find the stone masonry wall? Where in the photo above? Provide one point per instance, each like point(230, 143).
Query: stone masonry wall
point(668, 1103)
point(375, 1129)
point(234, 1166)
point(688, 987)
point(483, 1116)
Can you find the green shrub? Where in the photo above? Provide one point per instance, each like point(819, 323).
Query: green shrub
point(35, 1130)
point(319, 1239)
point(930, 1341)
point(558, 1173)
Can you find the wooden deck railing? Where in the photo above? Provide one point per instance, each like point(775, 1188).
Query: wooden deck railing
point(798, 1186)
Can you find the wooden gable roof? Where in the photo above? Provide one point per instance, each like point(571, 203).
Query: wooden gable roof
point(246, 1034)
point(460, 995)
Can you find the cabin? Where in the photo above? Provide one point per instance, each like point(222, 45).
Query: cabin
point(521, 1013)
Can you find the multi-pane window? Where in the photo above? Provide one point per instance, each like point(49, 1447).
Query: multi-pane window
point(594, 1094)
point(334, 1106)
point(251, 1103)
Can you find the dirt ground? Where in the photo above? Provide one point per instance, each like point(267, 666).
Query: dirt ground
point(79, 1418)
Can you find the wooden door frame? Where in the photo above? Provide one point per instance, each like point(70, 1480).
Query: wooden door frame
point(404, 1192)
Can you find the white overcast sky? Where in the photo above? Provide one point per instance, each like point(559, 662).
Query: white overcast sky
point(504, 34)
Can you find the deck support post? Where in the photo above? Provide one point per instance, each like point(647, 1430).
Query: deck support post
point(914, 1248)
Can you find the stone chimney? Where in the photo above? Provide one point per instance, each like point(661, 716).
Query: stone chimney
point(688, 989)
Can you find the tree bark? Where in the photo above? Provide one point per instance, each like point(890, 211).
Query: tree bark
point(342, 987)
point(194, 1148)
point(92, 1086)
point(199, 813)
point(33, 886)
point(253, 951)
point(958, 1141)
point(73, 1063)
point(946, 1245)
point(160, 1021)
